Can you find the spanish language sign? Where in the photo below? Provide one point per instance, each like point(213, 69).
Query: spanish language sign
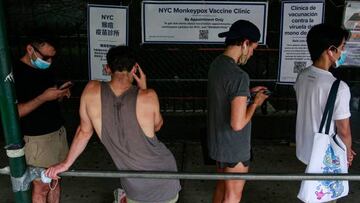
point(296, 20)
point(352, 22)
point(107, 27)
point(198, 22)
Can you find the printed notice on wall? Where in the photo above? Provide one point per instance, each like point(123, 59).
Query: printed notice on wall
point(107, 27)
point(296, 20)
point(352, 23)
point(198, 22)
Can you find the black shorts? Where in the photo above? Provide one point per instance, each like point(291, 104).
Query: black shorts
point(231, 165)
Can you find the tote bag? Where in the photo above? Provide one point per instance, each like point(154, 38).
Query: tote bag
point(328, 155)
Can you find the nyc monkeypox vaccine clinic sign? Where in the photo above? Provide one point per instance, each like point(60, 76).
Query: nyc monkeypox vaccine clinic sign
point(297, 17)
point(198, 22)
point(107, 27)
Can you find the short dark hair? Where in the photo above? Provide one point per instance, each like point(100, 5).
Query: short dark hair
point(238, 41)
point(120, 58)
point(322, 36)
point(40, 40)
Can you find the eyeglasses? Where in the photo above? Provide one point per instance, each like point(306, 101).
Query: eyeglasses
point(43, 57)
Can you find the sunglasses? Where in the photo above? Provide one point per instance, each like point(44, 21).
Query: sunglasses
point(43, 57)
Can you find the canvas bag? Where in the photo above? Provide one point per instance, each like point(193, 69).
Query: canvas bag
point(328, 155)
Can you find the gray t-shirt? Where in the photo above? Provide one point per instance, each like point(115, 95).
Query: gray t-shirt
point(226, 80)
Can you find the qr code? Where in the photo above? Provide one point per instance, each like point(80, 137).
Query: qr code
point(299, 66)
point(203, 34)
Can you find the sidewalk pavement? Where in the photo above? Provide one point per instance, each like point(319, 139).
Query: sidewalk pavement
point(270, 156)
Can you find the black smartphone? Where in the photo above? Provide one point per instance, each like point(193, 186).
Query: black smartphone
point(267, 92)
point(66, 86)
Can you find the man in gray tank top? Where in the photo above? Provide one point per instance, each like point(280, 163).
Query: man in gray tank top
point(126, 124)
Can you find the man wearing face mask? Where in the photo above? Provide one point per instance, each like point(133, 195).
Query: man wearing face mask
point(326, 45)
point(39, 111)
point(229, 113)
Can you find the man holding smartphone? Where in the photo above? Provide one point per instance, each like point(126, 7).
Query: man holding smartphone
point(39, 111)
point(229, 109)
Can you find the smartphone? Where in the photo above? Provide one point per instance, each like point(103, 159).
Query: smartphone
point(267, 92)
point(66, 86)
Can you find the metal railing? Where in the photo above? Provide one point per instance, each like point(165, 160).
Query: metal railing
point(203, 176)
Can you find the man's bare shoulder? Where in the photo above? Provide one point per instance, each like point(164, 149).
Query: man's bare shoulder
point(92, 88)
point(148, 95)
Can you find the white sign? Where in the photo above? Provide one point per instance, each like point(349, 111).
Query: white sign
point(107, 27)
point(198, 22)
point(352, 22)
point(296, 20)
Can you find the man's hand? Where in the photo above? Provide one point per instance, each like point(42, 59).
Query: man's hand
point(260, 98)
point(350, 156)
point(258, 88)
point(53, 93)
point(141, 81)
point(53, 171)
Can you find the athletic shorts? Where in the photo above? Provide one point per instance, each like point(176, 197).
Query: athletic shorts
point(46, 150)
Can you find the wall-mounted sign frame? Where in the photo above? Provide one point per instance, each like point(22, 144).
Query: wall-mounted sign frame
point(351, 21)
point(197, 22)
point(107, 27)
point(297, 17)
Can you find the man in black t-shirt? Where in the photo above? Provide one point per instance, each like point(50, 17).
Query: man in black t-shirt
point(40, 117)
point(229, 113)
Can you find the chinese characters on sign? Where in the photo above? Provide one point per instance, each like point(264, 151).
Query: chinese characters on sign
point(107, 27)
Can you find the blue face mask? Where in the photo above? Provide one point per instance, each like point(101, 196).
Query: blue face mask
point(39, 63)
point(341, 60)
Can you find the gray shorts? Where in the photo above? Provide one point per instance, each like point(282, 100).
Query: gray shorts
point(174, 200)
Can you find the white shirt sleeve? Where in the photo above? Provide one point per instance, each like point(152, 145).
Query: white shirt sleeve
point(342, 102)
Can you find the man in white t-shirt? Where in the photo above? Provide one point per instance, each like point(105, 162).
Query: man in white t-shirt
point(326, 45)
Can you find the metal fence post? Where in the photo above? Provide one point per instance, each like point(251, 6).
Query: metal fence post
point(9, 113)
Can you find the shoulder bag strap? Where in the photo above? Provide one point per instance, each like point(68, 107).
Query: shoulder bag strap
point(329, 108)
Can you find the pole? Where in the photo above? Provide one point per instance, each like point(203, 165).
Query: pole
point(9, 113)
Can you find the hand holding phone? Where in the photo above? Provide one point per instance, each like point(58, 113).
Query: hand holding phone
point(266, 92)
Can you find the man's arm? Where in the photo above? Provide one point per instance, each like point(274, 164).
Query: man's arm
point(82, 137)
point(49, 94)
point(241, 114)
point(158, 118)
point(344, 131)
